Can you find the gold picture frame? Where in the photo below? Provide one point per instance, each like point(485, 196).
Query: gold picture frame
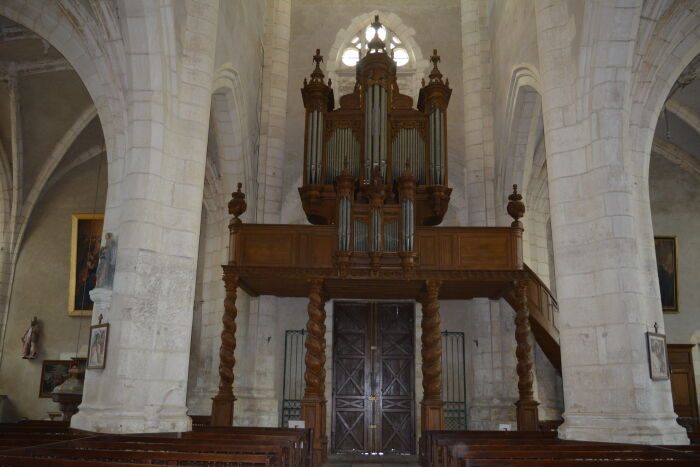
point(53, 373)
point(86, 235)
point(666, 247)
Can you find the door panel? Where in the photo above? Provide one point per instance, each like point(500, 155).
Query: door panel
point(373, 378)
point(350, 373)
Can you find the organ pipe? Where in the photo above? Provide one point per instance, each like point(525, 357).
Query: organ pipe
point(344, 224)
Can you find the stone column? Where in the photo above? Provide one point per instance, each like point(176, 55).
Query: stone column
point(526, 405)
point(601, 225)
point(154, 203)
point(313, 405)
point(222, 403)
point(432, 410)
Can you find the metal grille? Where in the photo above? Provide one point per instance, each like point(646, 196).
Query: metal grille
point(294, 366)
point(454, 383)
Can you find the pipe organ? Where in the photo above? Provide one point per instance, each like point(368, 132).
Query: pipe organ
point(376, 166)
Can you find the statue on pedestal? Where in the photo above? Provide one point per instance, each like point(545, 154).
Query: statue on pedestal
point(30, 339)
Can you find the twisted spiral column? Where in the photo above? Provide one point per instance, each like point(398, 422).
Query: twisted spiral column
point(431, 349)
point(313, 405)
point(315, 359)
point(432, 411)
point(527, 413)
point(222, 406)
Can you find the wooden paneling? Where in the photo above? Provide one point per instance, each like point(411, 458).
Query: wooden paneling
point(685, 402)
point(313, 246)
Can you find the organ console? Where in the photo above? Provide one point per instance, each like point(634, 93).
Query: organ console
point(375, 167)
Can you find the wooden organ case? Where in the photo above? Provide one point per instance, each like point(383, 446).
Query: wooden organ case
point(374, 188)
point(376, 166)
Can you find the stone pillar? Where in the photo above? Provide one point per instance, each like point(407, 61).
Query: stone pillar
point(222, 403)
point(527, 414)
point(607, 288)
point(432, 410)
point(154, 203)
point(313, 405)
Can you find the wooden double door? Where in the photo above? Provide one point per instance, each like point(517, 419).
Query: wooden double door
point(373, 378)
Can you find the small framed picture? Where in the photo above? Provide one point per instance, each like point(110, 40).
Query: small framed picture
point(97, 347)
point(53, 373)
point(658, 359)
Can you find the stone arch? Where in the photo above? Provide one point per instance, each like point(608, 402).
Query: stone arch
point(229, 161)
point(666, 45)
point(229, 117)
point(523, 120)
point(89, 38)
point(390, 20)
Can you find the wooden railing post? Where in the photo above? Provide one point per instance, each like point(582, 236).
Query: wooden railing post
point(313, 405)
point(222, 405)
point(432, 408)
point(527, 414)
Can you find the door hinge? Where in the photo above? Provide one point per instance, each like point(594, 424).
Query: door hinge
point(372, 347)
point(372, 427)
point(373, 398)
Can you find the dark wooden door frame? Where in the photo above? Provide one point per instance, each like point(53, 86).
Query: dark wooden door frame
point(377, 408)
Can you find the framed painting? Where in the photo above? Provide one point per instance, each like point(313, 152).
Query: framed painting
point(53, 373)
point(667, 267)
point(82, 364)
point(658, 358)
point(86, 234)
point(97, 346)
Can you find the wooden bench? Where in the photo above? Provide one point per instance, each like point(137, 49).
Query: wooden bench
point(302, 438)
point(433, 444)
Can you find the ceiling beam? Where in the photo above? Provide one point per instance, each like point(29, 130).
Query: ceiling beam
point(677, 156)
point(685, 113)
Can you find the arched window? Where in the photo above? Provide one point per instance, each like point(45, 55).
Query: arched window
point(410, 65)
point(359, 45)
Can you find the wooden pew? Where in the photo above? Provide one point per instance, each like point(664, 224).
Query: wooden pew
point(302, 438)
point(465, 455)
point(433, 444)
point(453, 449)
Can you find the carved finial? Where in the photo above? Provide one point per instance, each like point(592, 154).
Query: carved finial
point(435, 75)
point(237, 205)
point(376, 43)
point(317, 74)
point(407, 168)
point(99, 319)
point(516, 207)
point(656, 328)
point(422, 82)
point(329, 82)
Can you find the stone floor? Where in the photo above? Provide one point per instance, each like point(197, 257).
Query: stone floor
point(374, 461)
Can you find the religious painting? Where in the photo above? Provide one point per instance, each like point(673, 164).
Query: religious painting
point(53, 373)
point(85, 253)
point(82, 365)
point(667, 267)
point(97, 347)
point(658, 359)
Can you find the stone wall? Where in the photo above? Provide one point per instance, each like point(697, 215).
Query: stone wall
point(41, 289)
point(675, 207)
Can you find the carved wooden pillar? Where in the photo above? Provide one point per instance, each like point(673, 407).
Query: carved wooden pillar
point(313, 405)
point(527, 413)
point(432, 410)
point(222, 405)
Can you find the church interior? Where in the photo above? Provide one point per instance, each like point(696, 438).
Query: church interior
point(349, 232)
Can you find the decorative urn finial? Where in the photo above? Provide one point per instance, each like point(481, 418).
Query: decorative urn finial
point(516, 207)
point(237, 205)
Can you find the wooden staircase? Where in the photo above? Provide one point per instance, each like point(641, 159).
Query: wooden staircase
point(544, 313)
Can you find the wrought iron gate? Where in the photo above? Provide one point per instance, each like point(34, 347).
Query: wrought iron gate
point(454, 381)
point(294, 366)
